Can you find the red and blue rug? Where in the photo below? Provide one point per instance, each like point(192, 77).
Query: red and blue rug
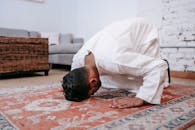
point(44, 108)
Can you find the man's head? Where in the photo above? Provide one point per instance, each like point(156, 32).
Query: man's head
point(80, 84)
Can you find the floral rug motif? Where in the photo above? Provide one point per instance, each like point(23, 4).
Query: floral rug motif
point(44, 108)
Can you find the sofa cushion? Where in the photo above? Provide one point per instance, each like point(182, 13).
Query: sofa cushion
point(64, 49)
point(78, 40)
point(65, 38)
point(34, 34)
point(13, 32)
point(53, 37)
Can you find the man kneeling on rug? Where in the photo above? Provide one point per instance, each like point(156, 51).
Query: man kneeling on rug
point(123, 55)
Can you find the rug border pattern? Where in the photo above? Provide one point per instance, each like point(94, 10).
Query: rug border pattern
point(169, 125)
point(6, 124)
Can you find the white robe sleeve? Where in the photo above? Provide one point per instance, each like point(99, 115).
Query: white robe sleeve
point(153, 71)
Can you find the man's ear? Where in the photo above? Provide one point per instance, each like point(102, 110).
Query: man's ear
point(93, 81)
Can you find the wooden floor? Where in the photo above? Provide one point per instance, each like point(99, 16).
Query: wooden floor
point(56, 75)
point(38, 78)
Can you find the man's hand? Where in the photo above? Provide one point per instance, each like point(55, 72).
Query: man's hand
point(127, 102)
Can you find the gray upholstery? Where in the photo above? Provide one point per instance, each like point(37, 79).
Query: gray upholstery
point(78, 40)
point(13, 32)
point(33, 34)
point(64, 52)
point(65, 49)
point(61, 59)
point(8, 32)
point(65, 38)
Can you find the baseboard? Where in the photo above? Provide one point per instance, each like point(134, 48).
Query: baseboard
point(185, 75)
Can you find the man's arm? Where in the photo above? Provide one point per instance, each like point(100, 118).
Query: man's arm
point(153, 71)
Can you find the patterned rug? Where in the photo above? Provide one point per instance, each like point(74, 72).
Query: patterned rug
point(44, 108)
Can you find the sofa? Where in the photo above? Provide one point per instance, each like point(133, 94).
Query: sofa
point(62, 51)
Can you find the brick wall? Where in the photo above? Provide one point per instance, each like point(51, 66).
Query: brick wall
point(177, 34)
point(176, 22)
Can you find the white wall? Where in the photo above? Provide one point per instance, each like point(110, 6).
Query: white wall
point(178, 33)
point(24, 14)
point(150, 9)
point(68, 16)
point(93, 15)
point(83, 18)
point(176, 22)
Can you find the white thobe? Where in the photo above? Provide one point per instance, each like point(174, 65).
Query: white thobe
point(127, 56)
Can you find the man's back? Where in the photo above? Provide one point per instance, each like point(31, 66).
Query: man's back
point(127, 36)
point(128, 51)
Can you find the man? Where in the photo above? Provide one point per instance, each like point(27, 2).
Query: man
point(123, 55)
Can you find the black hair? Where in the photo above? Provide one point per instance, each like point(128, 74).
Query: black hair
point(75, 85)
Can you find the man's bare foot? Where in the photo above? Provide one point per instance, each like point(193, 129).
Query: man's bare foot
point(127, 102)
